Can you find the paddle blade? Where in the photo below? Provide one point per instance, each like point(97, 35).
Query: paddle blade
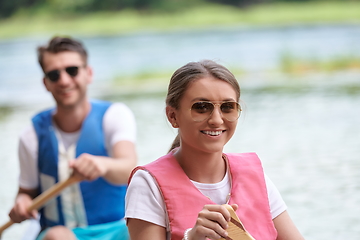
point(236, 229)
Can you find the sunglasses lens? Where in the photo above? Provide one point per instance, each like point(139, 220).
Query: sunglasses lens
point(72, 71)
point(201, 110)
point(230, 110)
point(53, 75)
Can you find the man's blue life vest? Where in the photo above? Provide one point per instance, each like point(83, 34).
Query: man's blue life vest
point(103, 201)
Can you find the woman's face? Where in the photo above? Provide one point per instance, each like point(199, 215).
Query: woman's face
point(209, 135)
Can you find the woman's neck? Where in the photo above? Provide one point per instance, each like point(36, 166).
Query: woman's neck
point(201, 166)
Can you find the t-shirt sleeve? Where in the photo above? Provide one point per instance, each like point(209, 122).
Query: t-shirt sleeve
point(144, 201)
point(119, 125)
point(277, 204)
point(27, 151)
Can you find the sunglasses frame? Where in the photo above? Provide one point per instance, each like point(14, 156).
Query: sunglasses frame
point(58, 71)
point(221, 112)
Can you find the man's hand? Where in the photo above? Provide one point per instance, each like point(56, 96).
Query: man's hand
point(115, 169)
point(89, 167)
point(20, 211)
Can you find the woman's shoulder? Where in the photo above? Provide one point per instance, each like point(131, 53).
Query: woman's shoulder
point(142, 178)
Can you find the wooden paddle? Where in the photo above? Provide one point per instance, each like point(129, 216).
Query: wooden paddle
point(43, 198)
point(236, 229)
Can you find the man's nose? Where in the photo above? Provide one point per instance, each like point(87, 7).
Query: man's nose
point(64, 78)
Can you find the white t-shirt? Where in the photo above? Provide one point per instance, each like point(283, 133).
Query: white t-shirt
point(118, 124)
point(144, 200)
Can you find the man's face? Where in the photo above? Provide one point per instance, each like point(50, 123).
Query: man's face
point(68, 90)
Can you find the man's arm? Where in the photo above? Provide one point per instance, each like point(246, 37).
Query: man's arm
point(28, 180)
point(125, 161)
point(120, 134)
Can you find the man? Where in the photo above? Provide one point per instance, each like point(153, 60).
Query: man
point(95, 139)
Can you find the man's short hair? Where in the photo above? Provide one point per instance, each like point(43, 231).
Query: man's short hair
point(61, 44)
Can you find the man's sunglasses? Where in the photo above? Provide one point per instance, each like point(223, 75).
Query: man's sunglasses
point(54, 75)
point(201, 111)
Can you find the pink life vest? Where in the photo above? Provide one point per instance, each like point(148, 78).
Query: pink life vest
point(184, 201)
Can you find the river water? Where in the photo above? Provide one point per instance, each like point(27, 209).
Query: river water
point(305, 128)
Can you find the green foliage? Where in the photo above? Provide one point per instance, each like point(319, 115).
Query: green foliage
point(5, 111)
point(10, 7)
point(67, 5)
point(41, 20)
point(249, 3)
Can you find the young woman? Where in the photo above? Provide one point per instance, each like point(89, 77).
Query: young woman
point(179, 196)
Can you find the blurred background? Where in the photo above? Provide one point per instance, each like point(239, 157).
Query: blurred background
point(298, 63)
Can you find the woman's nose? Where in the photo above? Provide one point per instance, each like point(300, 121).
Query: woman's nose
point(216, 116)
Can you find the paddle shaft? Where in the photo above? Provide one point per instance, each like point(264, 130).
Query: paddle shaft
point(40, 200)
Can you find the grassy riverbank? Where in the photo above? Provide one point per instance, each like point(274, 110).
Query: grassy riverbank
point(42, 22)
point(289, 67)
point(292, 65)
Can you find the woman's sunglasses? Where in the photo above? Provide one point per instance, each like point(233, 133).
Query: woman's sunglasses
point(201, 111)
point(54, 75)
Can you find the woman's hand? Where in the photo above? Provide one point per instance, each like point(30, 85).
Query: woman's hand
point(211, 223)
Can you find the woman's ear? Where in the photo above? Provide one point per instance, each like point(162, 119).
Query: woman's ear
point(171, 116)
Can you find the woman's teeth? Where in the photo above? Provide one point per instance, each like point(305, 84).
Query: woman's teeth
point(212, 133)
